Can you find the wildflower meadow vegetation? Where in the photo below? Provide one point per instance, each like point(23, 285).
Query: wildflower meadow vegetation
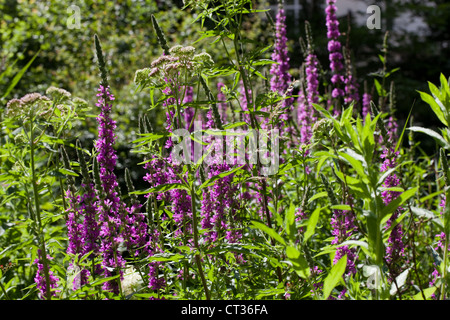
point(258, 183)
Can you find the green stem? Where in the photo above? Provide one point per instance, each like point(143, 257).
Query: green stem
point(41, 239)
point(197, 255)
point(444, 276)
point(4, 291)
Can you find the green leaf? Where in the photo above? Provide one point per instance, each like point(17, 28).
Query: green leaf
point(262, 62)
point(221, 175)
point(271, 232)
point(18, 76)
point(344, 207)
point(234, 125)
point(68, 172)
point(357, 165)
point(312, 222)
point(434, 106)
point(399, 143)
point(298, 262)
point(334, 277)
point(290, 222)
point(427, 292)
point(166, 257)
point(317, 196)
point(269, 292)
point(432, 134)
point(103, 280)
point(391, 72)
point(147, 137)
point(380, 90)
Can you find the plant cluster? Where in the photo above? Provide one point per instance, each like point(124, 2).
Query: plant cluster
point(345, 211)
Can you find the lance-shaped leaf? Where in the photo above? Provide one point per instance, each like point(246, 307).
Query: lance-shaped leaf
point(162, 188)
point(394, 204)
point(290, 222)
point(101, 62)
point(312, 222)
point(334, 277)
point(298, 262)
point(439, 139)
point(271, 232)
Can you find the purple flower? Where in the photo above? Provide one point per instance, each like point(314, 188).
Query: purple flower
point(334, 49)
point(395, 249)
point(280, 71)
point(351, 89)
point(118, 224)
point(40, 281)
point(306, 117)
point(189, 111)
point(343, 224)
point(366, 104)
point(82, 228)
point(300, 216)
point(163, 171)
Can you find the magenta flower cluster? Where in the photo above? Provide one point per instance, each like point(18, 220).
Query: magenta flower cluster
point(343, 226)
point(334, 49)
point(396, 248)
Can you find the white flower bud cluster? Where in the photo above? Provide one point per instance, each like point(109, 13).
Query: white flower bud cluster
point(131, 282)
point(169, 68)
point(42, 106)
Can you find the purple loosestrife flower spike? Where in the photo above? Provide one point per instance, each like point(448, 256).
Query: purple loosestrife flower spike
point(335, 50)
point(305, 103)
point(80, 218)
point(281, 78)
point(108, 204)
point(366, 104)
point(101, 62)
point(90, 227)
point(303, 116)
point(343, 224)
point(119, 224)
point(219, 202)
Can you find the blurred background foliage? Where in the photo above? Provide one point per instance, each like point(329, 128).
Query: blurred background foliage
point(67, 58)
